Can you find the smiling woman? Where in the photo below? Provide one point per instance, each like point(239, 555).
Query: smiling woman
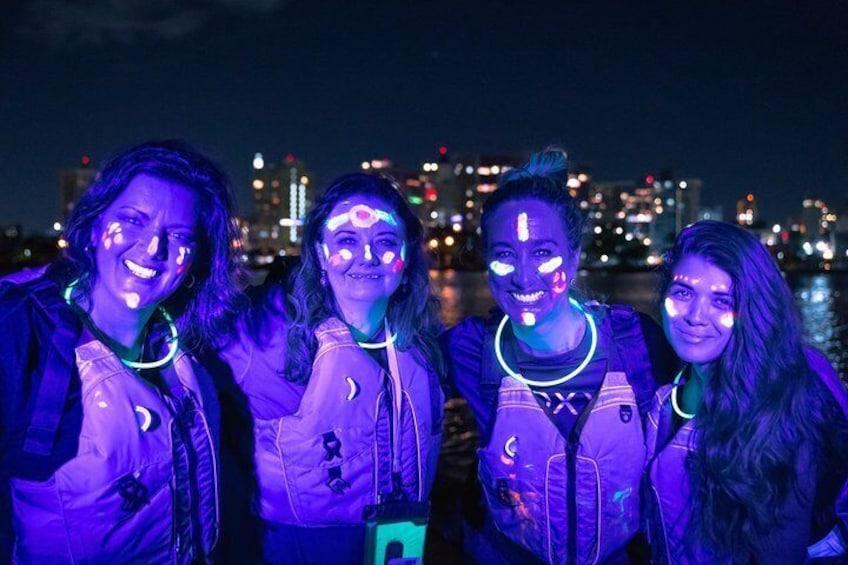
point(747, 449)
point(556, 387)
point(346, 361)
point(108, 425)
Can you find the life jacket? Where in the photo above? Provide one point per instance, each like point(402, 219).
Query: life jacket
point(323, 464)
point(143, 485)
point(572, 499)
point(668, 489)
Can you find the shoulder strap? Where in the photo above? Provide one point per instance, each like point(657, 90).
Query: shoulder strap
point(56, 367)
point(632, 350)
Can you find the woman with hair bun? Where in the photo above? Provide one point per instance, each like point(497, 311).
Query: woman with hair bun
point(747, 448)
point(556, 385)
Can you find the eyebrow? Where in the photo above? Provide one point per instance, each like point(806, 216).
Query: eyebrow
point(690, 287)
point(146, 216)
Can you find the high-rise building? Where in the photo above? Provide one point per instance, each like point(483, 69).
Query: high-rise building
point(73, 184)
point(747, 211)
point(281, 199)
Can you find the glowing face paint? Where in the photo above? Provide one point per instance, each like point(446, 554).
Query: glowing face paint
point(528, 319)
point(342, 256)
point(326, 249)
point(132, 299)
point(368, 256)
point(388, 257)
point(727, 320)
point(403, 251)
point(550, 265)
point(153, 246)
point(501, 269)
point(521, 230)
point(361, 216)
point(182, 255)
point(560, 283)
point(670, 308)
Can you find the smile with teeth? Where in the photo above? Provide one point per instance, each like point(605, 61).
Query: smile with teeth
point(361, 276)
point(139, 271)
point(528, 298)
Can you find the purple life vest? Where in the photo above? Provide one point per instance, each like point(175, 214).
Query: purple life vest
point(123, 497)
point(554, 496)
point(325, 463)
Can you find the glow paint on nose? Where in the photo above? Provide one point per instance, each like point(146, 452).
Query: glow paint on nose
point(727, 320)
point(132, 299)
point(670, 307)
point(388, 257)
point(368, 256)
point(501, 269)
point(153, 246)
point(550, 265)
point(521, 229)
point(326, 249)
point(560, 283)
point(528, 319)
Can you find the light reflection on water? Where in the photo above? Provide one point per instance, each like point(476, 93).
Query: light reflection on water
point(821, 298)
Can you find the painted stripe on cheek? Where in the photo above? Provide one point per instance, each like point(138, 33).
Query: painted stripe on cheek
point(670, 307)
point(550, 265)
point(501, 269)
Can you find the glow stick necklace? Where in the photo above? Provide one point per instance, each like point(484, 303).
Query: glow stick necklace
point(173, 341)
point(378, 345)
point(679, 411)
point(565, 378)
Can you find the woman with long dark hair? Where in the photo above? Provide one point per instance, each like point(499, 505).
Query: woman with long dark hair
point(557, 386)
point(108, 425)
point(747, 447)
point(341, 379)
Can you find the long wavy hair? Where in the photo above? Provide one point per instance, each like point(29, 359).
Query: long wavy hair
point(412, 310)
point(763, 409)
point(543, 178)
point(203, 312)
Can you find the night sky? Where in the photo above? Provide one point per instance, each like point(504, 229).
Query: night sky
point(749, 96)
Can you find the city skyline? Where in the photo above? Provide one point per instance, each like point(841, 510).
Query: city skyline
point(748, 101)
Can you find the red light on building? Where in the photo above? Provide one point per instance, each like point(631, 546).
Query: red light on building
point(289, 158)
point(86, 160)
point(443, 150)
point(430, 194)
point(750, 197)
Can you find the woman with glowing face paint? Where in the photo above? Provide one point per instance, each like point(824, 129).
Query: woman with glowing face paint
point(341, 375)
point(557, 386)
point(747, 447)
point(108, 427)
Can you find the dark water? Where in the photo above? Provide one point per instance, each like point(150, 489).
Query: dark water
point(821, 298)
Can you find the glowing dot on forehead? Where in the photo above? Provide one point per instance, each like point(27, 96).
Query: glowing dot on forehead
point(132, 299)
point(501, 269)
point(361, 216)
point(727, 320)
point(388, 257)
point(670, 307)
point(550, 265)
point(521, 229)
point(528, 319)
point(153, 246)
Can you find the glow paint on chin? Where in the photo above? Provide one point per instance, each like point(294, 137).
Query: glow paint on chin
point(521, 229)
point(368, 256)
point(528, 319)
point(670, 307)
point(727, 320)
point(153, 246)
point(132, 299)
point(501, 269)
point(550, 265)
point(560, 283)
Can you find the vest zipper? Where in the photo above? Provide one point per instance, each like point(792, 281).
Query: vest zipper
point(571, 491)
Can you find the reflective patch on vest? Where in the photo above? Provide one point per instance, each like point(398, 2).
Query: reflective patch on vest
point(511, 446)
point(625, 413)
point(134, 493)
point(354, 388)
point(336, 483)
point(148, 419)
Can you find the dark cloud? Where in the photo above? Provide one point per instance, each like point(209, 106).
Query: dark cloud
point(73, 23)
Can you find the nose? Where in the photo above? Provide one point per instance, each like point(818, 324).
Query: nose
point(157, 245)
point(696, 313)
point(368, 255)
point(525, 272)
